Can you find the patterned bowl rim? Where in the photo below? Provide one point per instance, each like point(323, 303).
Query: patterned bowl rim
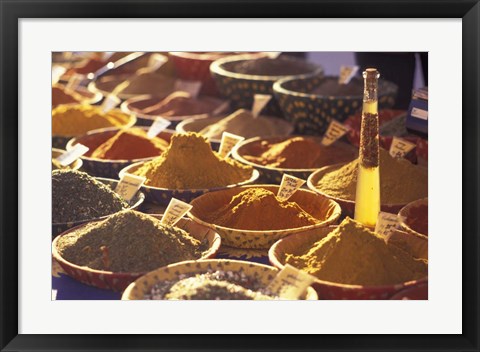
point(237, 156)
point(192, 55)
point(331, 219)
point(212, 250)
point(77, 164)
point(278, 87)
point(125, 107)
point(314, 177)
point(181, 126)
point(402, 216)
point(97, 96)
point(214, 263)
point(74, 140)
point(140, 200)
point(217, 68)
point(322, 232)
point(253, 178)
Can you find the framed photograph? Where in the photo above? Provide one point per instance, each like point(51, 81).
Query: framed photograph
point(163, 163)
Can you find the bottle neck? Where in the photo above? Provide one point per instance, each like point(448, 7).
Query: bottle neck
point(370, 91)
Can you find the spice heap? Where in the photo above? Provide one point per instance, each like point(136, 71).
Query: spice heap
point(128, 241)
point(190, 163)
point(244, 124)
point(417, 219)
point(352, 254)
point(272, 67)
point(218, 285)
point(298, 153)
point(73, 120)
point(331, 87)
point(129, 144)
point(77, 196)
point(400, 181)
point(152, 83)
point(260, 209)
point(61, 96)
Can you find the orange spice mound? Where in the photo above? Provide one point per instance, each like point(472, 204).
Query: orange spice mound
point(260, 209)
point(129, 145)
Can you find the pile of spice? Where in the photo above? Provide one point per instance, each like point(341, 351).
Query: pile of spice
point(190, 163)
point(77, 196)
point(298, 153)
point(260, 209)
point(243, 123)
point(272, 67)
point(352, 254)
point(61, 96)
point(212, 285)
point(129, 144)
point(74, 120)
point(152, 83)
point(401, 182)
point(417, 219)
point(330, 87)
point(128, 241)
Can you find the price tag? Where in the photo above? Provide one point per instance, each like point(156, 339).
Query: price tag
point(191, 87)
point(175, 210)
point(288, 186)
point(74, 81)
point(110, 102)
point(335, 131)
point(57, 72)
point(229, 140)
point(259, 102)
point(400, 147)
point(273, 54)
point(129, 186)
point(290, 283)
point(73, 154)
point(155, 62)
point(347, 73)
point(386, 223)
point(106, 55)
point(157, 126)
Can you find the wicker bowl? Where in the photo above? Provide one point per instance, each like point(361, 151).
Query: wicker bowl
point(407, 212)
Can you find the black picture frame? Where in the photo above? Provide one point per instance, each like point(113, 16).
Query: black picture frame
point(12, 11)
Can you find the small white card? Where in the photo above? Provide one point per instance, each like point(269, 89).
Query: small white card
point(175, 210)
point(335, 131)
point(157, 126)
point(57, 72)
point(129, 186)
point(73, 154)
point(228, 142)
point(191, 87)
point(400, 147)
point(259, 103)
point(288, 186)
point(386, 223)
point(290, 283)
point(110, 102)
point(347, 73)
point(155, 62)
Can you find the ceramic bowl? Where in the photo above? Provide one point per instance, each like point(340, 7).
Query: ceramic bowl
point(409, 211)
point(76, 165)
point(144, 284)
point(326, 289)
point(240, 88)
point(118, 281)
point(106, 167)
point(135, 203)
point(162, 196)
point(318, 206)
point(312, 113)
point(274, 175)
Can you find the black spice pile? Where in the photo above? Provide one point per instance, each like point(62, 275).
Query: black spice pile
point(272, 67)
point(77, 196)
point(129, 241)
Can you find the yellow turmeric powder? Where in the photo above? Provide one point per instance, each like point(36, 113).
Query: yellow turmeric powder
point(190, 163)
point(74, 120)
point(352, 254)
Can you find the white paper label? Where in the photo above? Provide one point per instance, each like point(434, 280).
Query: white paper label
point(400, 147)
point(129, 186)
point(57, 72)
point(347, 73)
point(288, 186)
point(156, 61)
point(420, 113)
point(229, 140)
point(73, 154)
point(110, 102)
point(175, 210)
point(259, 102)
point(290, 283)
point(273, 54)
point(335, 131)
point(74, 81)
point(106, 55)
point(386, 223)
point(191, 87)
point(157, 126)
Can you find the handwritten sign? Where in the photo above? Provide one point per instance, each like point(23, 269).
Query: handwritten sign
point(110, 102)
point(290, 283)
point(73, 154)
point(288, 186)
point(400, 147)
point(57, 72)
point(386, 223)
point(74, 81)
point(259, 102)
point(335, 131)
point(191, 87)
point(157, 126)
point(129, 186)
point(175, 210)
point(228, 142)
point(347, 73)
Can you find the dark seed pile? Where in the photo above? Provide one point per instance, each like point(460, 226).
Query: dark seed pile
point(77, 196)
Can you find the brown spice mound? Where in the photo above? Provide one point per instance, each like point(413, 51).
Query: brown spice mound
point(181, 104)
point(129, 145)
point(190, 163)
point(260, 209)
point(401, 182)
point(352, 254)
point(128, 241)
point(60, 96)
